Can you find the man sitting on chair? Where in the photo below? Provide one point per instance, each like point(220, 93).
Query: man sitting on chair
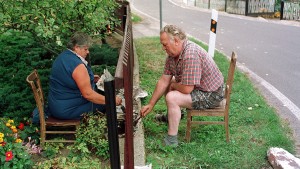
point(191, 79)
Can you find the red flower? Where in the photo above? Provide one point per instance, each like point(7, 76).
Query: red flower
point(2, 144)
point(21, 126)
point(9, 156)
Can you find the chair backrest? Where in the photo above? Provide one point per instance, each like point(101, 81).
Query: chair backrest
point(34, 80)
point(230, 76)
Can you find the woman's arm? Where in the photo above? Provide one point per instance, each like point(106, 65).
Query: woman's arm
point(82, 79)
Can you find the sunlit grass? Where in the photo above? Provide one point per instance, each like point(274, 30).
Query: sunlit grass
point(252, 130)
point(135, 18)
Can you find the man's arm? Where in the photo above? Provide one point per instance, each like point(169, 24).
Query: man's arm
point(161, 88)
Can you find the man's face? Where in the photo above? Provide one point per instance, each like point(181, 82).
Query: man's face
point(82, 51)
point(169, 45)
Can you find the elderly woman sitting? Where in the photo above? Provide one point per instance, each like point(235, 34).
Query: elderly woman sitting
point(72, 82)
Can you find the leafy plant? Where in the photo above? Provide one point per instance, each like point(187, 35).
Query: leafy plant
point(70, 163)
point(103, 54)
point(52, 149)
point(20, 55)
point(52, 22)
point(92, 135)
point(103, 57)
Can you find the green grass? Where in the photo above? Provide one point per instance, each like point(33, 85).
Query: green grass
point(252, 132)
point(135, 18)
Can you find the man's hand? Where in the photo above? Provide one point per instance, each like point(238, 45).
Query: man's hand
point(146, 110)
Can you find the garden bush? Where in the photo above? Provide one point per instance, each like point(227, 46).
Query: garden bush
point(20, 55)
point(103, 57)
point(52, 22)
point(91, 136)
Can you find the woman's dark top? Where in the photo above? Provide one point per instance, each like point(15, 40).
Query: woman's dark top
point(64, 99)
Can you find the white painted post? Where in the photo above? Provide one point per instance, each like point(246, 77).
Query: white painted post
point(213, 33)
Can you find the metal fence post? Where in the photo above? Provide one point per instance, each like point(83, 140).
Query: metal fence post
point(111, 115)
point(160, 13)
point(246, 7)
point(281, 9)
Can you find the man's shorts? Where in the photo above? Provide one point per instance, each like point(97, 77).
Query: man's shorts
point(205, 100)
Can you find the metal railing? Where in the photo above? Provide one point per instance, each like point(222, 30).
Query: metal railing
point(241, 7)
point(124, 78)
point(290, 11)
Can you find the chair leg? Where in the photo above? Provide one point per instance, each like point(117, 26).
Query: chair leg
point(188, 127)
point(226, 128)
point(43, 137)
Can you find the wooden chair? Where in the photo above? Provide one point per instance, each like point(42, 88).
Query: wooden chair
point(60, 126)
point(222, 110)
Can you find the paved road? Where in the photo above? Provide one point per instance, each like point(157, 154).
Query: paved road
point(268, 50)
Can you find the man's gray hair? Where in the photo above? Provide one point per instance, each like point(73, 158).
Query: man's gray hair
point(172, 31)
point(80, 39)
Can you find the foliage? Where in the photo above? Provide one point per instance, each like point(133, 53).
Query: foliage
point(103, 57)
point(91, 136)
point(52, 22)
point(103, 54)
point(135, 18)
point(52, 149)
point(12, 153)
point(20, 55)
point(252, 130)
point(70, 163)
point(91, 144)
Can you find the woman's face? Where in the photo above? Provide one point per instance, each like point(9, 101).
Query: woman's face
point(82, 51)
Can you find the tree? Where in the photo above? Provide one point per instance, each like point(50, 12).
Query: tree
point(52, 22)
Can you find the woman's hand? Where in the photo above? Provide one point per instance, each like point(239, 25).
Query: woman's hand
point(118, 101)
point(96, 78)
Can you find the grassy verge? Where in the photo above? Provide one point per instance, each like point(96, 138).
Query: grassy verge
point(135, 18)
point(254, 125)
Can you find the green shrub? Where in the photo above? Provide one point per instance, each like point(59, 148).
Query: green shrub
point(103, 54)
point(70, 163)
point(20, 55)
point(92, 135)
point(103, 57)
point(52, 22)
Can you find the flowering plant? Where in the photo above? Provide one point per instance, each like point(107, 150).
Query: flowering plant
point(12, 153)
